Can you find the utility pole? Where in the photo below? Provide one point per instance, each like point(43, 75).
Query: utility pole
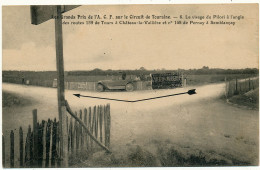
point(60, 88)
point(39, 15)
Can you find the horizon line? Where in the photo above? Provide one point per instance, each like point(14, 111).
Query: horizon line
point(139, 69)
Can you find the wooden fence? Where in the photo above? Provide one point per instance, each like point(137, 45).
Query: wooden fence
point(235, 87)
point(88, 86)
point(40, 147)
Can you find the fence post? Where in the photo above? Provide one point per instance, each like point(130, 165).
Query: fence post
point(58, 144)
point(12, 149)
point(67, 123)
point(31, 149)
point(64, 141)
point(21, 146)
point(86, 123)
point(68, 132)
point(93, 121)
point(3, 151)
point(89, 126)
point(51, 143)
point(74, 135)
point(48, 132)
point(100, 123)
point(44, 144)
point(54, 138)
point(96, 122)
point(249, 88)
point(80, 130)
point(109, 125)
point(40, 137)
point(226, 87)
point(35, 138)
point(105, 124)
point(77, 135)
point(28, 153)
point(70, 135)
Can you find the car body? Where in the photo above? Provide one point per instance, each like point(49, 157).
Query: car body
point(154, 81)
point(127, 85)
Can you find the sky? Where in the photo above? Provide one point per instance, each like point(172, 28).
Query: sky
point(86, 47)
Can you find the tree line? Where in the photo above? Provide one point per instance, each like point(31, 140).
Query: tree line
point(142, 71)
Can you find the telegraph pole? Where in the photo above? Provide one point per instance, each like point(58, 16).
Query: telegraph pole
point(60, 88)
point(40, 14)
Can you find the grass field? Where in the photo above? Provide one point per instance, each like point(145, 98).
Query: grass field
point(249, 99)
point(156, 153)
point(14, 100)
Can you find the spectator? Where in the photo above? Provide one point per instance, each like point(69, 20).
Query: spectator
point(123, 76)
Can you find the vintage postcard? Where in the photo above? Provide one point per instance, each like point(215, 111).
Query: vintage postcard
point(130, 85)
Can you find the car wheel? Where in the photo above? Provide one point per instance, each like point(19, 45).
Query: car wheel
point(100, 88)
point(129, 87)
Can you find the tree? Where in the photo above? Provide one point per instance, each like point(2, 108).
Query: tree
point(142, 68)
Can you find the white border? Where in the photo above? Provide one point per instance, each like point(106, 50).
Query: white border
point(99, 2)
point(113, 2)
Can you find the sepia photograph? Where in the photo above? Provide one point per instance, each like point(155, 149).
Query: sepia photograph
point(144, 85)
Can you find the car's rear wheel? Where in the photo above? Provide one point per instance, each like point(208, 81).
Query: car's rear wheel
point(100, 88)
point(129, 87)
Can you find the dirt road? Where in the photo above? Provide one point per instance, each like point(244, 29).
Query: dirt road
point(201, 121)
